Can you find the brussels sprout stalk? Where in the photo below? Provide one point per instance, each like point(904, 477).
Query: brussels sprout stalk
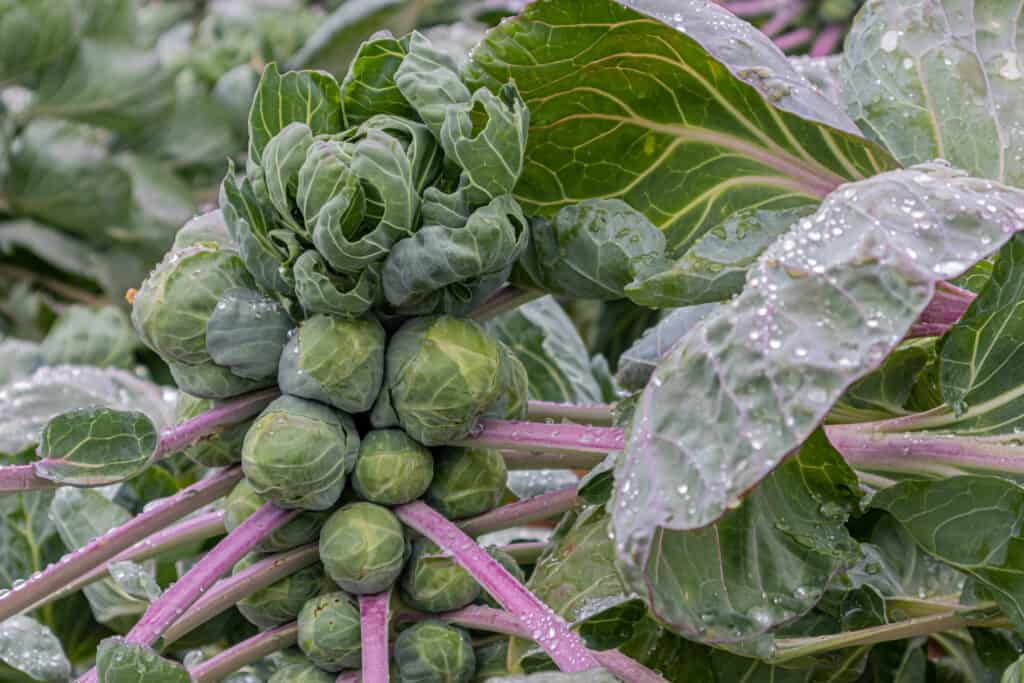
point(373, 613)
point(827, 41)
point(551, 632)
point(102, 549)
point(522, 512)
point(595, 413)
point(181, 436)
point(948, 305)
point(539, 436)
point(550, 460)
point(349, 677)
point(19, 478)
point(505, 299)
point(248, 651)
point(230, 590)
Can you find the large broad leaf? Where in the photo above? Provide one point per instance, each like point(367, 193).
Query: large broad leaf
point(101, 337)
point(637, 363)
point(81, 516)
point(972, 523)
point(544, 339)
point(940, 79)
point(822, 308)
point(675, 106)
point(119, 661)
point(28, 404)
point(32, 648)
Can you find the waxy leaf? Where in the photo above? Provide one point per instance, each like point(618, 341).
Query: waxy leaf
point(369, 87)
point(1014, 673)
point(246, 333)
point(429, 80)
point(321, 290)
point(30, 647)
point(677, 107)
point(972, 523)
point(637, 363)
point(118, 661)
point(934, 79)
point(822, 308)
point(18, 359)
point(96, 446)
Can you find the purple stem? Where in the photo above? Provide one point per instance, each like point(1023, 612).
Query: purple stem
point(220, 666)
point(548, 629)
point(923, 452)
point(538, 436)
point(789, 11)
point(752, 8)
point(97, 552)
point(948, 304)
point(594, 413)
point(230, 590)
point(19, 478)
point(827, 41)
point(181, 436)
point(522, 512)
point(373, 619)
point(927, 330)
point(349, 677)
point(505, 299)
point(203, 573)
point(794, 38)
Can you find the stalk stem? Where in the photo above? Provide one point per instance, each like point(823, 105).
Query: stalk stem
point(595, 413)
point(538, 436)
point(248, 651)
point(522, 512)
point(20, 478)
point(550, 460)
point(373, 617)
point(505, 299)
point(99, 551)
point(181, 436)
point(550, 631)
point(827, 41)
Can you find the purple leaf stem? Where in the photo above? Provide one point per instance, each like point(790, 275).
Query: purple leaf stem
point(373, 619)
point(827, 41)
point(220, 666)
point(794, 38)
point(180, 436)
point(522, 512)
point(19, 478)
point(541, 436)
point(100, 550)
point(783, 17)
point(349, 677)
point(752, 8)
point(548, 629)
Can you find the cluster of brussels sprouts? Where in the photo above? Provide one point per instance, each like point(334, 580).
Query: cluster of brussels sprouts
point(336, 269)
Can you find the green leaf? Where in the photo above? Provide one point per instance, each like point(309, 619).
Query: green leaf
point(321, 290)
point(975, 656)
point(81, 516)
point(27, 405)
point(247, 332)
point(118, 661)
point(27, 534)
point(118, 87)
point(311, 97)
point(34, 33)
point(715, 267)
point(96, 446)
point(544, 339)
point(32, 648)
point(822, 308)
point(369, 87)
point(884, 392)
point(948, 520)
point(135, 580)
point(604, 84)
point(637, 363)
point(102, 337)
point(902, 661)
point(283, 156)
point(1014, 673)
point(18, 359)
point(429, 80)
point(932, 80)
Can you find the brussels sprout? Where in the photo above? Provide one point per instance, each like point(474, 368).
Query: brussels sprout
point(363, 548)
point(329, 632)
point(297, 452)
point(208, 228)
point(510, 564)
point(491, 660)
point(300, 673)
point(515, 398)
point(213, 381)
point(280, 601)
point(243, 501)
point(171, 308)
point(442, 374)
point(433, 582)
point(335, 361)
point(247, 332)
point(392, 468)
point(321, 290)
point(215, 450)
point(434, 652)
point(467, 481)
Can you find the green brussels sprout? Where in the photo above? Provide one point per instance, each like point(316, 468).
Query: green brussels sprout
point(363, 548)
point(300, 673)
point(209, 380)
point(434, 652)
point(510, 565)
point(171, 308)
point(491, 661)
point(219, 449)
point(247, 332)
point(329, 632)
point(208, 228)
point(335, 361)
point(467, 481)
point(433, 582)
point(392, 468)
point(442, 374)
point(303, 528)
point(297, 452)
point(282, 600)
point(515, 398)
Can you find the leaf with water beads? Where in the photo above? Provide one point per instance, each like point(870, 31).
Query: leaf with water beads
point(120, 661)
point(31, 648)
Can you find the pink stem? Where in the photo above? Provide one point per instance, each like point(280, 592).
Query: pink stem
point(203, 573)
point(827, 41)
point(181, 436)
point(18, 478)
point(948, 304)
point(782, 17)
point(794, 38)
point(522, 512)
point(537, 436)
point(248, 651)
point(548, 629)
point(349, 677)
point(373, 616)
point(752, 8)
point(96, 553)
